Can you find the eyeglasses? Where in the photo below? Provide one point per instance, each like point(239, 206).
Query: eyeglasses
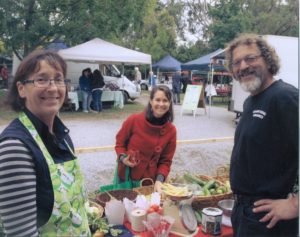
point(249, 59)
point(43, 82)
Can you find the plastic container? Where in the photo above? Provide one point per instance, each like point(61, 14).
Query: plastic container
point(212, 220)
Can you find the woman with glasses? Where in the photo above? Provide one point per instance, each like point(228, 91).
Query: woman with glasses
point(41, 183)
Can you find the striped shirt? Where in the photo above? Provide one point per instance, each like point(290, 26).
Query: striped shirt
point(18, 208)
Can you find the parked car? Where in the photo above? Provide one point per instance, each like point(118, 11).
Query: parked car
point(144, 84)
point(111, 75)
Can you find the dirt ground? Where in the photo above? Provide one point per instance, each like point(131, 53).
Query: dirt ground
point(204, 158)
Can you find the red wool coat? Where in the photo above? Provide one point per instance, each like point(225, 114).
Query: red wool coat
point(156, 145)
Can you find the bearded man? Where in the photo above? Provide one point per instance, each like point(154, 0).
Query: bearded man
point(264, 161)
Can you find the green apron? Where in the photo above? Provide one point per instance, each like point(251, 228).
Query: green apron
point(68, 216)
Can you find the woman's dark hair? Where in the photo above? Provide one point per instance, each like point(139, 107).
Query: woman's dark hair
point(169, 116)
point(88, 70)
point(30, 65)
point(97, 74)
point(98, 80)
point(267, 52)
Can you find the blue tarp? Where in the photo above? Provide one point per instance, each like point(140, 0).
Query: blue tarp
point(167, 64)
point(56, 45)
point(203, 63)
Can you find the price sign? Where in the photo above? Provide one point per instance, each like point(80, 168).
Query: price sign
point(193, 98)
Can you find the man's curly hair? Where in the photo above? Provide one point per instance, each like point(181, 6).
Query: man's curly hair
point(267, 52)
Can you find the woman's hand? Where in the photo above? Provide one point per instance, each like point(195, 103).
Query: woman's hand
point(127, 161)
point(279, 209)
point(157, 186)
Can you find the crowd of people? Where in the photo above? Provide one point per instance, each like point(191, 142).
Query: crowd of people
point(42, 191)
point(91, 86)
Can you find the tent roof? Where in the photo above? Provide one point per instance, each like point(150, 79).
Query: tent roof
point(221, 54)
point(100, 51)
point(167, 63)
point(202, 63)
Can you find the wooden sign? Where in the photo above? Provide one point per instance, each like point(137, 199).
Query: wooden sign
point(193, 99)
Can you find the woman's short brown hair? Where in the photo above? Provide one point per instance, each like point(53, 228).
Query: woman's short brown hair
point(29, 65)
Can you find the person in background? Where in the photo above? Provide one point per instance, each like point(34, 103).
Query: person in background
point(184, 82)
point(42, 190)
point(264, 162)
point(150, 136)
point(85, 87)
point(152, 79)
point(137, 75)
point(97, 89)
point(166, 78)
point(4, 76)
point(176, 87)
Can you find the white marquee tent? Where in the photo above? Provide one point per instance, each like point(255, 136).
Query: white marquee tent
point(100, 51)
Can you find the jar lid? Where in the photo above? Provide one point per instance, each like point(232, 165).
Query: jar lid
point(212, 211)
point(188, 217)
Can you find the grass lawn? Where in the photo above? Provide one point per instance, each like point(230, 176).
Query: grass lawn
point(6, 114)
point(217, 101)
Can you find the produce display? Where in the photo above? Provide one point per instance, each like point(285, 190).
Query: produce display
point(176, 190)
point(203, 187)
point(155, 208)
point(98, 224)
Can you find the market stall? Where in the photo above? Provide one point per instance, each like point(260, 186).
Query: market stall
point(191, 205)
point(115, 96)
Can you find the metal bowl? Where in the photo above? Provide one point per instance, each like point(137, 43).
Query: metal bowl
point(226, 206)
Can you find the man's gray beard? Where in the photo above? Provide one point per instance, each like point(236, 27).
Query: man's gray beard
point(251, 86)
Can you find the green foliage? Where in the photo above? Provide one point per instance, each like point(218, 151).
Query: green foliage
point(190, 51)
point(228, 21)
point(29, 24)
point(158, 36)
point(219, 21)
point(152, 26)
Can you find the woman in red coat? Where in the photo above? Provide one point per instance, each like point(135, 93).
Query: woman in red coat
point(147, 141)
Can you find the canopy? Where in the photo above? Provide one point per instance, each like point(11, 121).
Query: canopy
point(100, 51)
point(203, 63)
point(167, 63)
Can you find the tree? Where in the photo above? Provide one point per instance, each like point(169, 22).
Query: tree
point(219, 21)
point(228, 20)
point(275, 17)
point(158, 35)
point(188, 52)
point(29, 24)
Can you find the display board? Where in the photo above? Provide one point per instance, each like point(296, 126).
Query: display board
point(193, 99)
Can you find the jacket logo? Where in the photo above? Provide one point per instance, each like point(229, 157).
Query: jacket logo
point(259, 114)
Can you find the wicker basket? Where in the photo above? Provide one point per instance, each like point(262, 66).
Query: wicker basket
point(146, 188)
point(222, 174)
point(200, 202)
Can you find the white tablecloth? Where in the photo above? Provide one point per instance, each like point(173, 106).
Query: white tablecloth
point(116, 96)
point(73, 96)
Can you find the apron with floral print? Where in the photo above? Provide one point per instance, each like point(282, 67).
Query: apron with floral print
point(68, 216)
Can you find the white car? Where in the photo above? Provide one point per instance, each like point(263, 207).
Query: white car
point(144, 84)
point(110, 73)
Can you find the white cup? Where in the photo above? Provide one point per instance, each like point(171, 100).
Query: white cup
point(115, 211)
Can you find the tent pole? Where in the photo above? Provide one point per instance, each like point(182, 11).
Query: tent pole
point(210, 88)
